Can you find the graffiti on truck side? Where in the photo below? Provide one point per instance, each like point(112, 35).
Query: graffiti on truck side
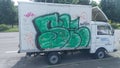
point(60, 31)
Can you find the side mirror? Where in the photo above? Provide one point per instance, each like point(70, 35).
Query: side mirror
point(112, 32)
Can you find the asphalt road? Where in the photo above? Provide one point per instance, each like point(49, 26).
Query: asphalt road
point(9, 58)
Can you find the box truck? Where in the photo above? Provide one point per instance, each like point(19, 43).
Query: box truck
point(54, 29)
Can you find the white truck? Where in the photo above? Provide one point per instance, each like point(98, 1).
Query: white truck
point(54, 29)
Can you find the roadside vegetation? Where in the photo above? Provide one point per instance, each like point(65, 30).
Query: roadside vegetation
point(8, 28)
point(8, 16)
point(115, 25)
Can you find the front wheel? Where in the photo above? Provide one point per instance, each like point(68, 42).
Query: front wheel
point(100, 53)
point(53, 58)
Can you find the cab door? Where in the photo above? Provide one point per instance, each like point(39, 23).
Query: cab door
point(104, 37)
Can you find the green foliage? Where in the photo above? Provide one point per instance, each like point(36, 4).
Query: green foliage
point(111, 9)
point(8, 28)
point(8, 14)
point(3, 27)
point(115, 25)
point(93, 3)
point(14, 29)
point(85, 2)
point(75, 1)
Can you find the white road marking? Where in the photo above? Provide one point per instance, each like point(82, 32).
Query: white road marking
point(11, 51)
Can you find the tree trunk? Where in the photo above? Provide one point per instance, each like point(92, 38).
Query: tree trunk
point(12, 25)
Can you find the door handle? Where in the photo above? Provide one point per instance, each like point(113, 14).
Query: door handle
point(97, 37)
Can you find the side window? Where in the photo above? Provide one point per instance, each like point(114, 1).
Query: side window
point(103, 30)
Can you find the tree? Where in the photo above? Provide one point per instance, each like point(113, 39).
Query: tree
point(7, 12)
point(85, 2)
point(93, 3)
point(111, 9)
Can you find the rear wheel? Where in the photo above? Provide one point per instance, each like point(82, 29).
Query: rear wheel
point(53, 58)
point(100, 53)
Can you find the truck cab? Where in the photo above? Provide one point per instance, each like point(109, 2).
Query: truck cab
point(102, 34)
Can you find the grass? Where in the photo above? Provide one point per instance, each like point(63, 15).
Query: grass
point(8, 28)
point(14, 29)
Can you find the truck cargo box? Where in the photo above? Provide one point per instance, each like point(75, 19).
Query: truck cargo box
point(51, 27)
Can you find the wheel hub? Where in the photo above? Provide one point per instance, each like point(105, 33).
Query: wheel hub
point(54, 59)
point(101, 55)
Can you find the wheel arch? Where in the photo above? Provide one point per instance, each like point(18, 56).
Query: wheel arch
point(101, 48)
point(93, 50)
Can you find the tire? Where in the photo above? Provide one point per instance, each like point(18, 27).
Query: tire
point(100, 54)
point(53, 58)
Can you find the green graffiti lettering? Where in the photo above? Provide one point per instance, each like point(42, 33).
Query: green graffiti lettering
point(65, 20)
point(59, 31)
point(84, 33)
point(74, 40)
point(42, 22)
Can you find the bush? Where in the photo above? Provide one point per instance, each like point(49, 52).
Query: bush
point(115, 25)
point(3, 27)
point(14, 29)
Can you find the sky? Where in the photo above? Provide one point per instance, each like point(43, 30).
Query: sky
point(30, 0)
point(16, 1)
